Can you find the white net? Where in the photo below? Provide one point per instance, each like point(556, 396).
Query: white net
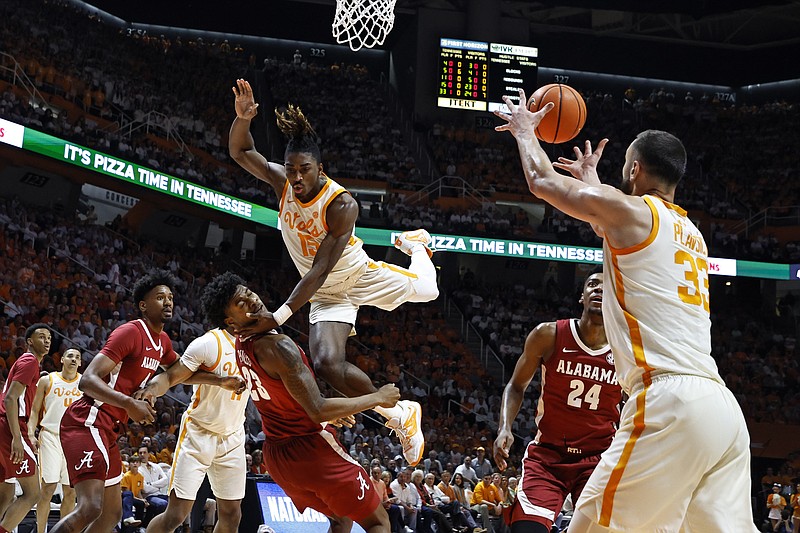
point(363, 22)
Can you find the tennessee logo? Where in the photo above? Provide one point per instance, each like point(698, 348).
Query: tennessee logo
point(86, 461)
point(23, 468)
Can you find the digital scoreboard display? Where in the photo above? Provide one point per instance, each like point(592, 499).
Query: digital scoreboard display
point(476, 75)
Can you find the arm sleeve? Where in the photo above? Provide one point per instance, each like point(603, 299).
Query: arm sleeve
point(201, 352)
point(120, 343)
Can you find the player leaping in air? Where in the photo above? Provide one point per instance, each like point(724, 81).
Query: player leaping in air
point(317, 217)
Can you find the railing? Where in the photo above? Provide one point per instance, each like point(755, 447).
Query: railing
point(465, 409)
point(156, 122)
point(467, 330)
point(771, 216)
point(412, 376)
point(418, 146)
point(448, 186)
point(13, 72)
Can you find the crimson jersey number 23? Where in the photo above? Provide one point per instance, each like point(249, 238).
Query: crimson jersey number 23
point(697, 274)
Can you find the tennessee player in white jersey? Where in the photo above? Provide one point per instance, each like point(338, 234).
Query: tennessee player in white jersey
point(317, 221)
point(211, 437)
point(680, 459)
point(54, 393)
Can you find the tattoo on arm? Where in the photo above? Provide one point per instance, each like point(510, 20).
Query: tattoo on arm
point(297, 378)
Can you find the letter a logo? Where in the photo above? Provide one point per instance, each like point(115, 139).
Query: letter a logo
point(23, 468)
point(86, 461)
point(363, 485)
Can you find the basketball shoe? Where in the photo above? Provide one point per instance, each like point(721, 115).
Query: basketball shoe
point(408, 429)
point(408, 240)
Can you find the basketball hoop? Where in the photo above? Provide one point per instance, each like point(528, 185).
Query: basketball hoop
point(363, 22)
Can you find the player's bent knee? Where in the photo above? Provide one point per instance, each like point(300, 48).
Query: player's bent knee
point(229, 514)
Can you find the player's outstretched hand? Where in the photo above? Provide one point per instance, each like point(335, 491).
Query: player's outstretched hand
point(245, 105)
point(584, 166)
point(141, 411)
point(502, 444)
point(390, 395)
point(235, 384)
point(263, 322)
point(346, 421)
point(520, 121)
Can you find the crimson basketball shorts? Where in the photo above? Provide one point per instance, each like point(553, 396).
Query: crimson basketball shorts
point(89, 439)
point(25, 468)
point(317, 472)
point(548, 475)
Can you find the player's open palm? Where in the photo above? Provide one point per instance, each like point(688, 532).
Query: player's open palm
point(245, 105)
point(389, 395)
point(584, 166)
point(502, 445)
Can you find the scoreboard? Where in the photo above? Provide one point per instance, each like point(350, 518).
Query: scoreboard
point(476, 75)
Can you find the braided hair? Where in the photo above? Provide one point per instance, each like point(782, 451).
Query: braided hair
point(295, 126)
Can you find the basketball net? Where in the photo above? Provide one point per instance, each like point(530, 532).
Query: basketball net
point(363, 22)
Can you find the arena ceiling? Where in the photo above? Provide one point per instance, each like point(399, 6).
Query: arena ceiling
point(731, 24)
point(737, 42)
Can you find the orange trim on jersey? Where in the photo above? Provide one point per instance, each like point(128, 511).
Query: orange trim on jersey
point(196, 398)
point(61, 375)
point(49, 385)
point(650, 238)
point(323, 213)
point(399, 270)
point(283, 195)
point(619, 469)
point(638, 419)
point(230, 339)
point(185, 425)
point(318, 196)
point(219, 355)
point(675, 207)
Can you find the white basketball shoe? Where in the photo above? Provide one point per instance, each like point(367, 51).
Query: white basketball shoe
point(408, 428)
point(408, 240)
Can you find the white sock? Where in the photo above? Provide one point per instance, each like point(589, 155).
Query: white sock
point(425, 284)
point(390, 412)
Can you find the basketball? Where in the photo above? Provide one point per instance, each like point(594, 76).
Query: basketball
point(564, 121)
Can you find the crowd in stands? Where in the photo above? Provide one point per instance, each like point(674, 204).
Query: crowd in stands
point(52, 272)
point(76, 276)
point(119, 76)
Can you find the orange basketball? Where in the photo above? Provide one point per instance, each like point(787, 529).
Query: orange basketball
point(566, 119)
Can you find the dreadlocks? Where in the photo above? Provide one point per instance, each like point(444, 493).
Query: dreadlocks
point(295, 126)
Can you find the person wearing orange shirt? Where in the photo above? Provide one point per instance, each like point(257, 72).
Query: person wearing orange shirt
point(131, 484)
point(775, 504)
point(486, 501)
point(168, 453)
point(395, 514)
point(795, 503)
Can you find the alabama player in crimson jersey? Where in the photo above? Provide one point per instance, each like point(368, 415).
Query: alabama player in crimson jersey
point(17, 456)
point(90, 427)
point(576, 416)
point(300, 450)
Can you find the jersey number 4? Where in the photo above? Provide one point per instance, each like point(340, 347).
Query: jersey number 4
point(257, 390)
point(576, 396)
